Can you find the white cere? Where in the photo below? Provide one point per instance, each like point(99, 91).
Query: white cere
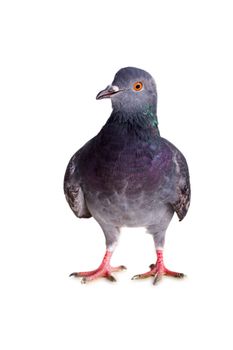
point(115, 88)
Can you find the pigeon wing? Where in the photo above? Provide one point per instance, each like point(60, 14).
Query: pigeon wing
point(181, 205)
point(73, 191)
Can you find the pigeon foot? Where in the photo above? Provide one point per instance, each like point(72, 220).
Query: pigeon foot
point(104, 270)
point(158, 270)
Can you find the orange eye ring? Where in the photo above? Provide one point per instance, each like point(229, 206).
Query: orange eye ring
point(138, 86)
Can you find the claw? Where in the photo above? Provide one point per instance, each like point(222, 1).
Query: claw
point(136, 277)
point(84, 280)
point(157, 278)
point(111, 278)
point(73, 274)
point(141, 276)
point(179, 275)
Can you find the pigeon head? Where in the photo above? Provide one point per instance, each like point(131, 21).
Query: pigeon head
point(133, 90)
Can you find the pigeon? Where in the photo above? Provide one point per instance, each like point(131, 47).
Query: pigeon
point(128, 175)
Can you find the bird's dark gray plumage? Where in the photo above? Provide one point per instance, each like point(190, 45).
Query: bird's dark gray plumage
point(128, 175)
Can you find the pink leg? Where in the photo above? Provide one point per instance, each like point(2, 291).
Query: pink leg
point(158, 270)
point(104, 270)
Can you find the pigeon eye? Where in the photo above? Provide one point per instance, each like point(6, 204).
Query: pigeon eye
point(137, 86)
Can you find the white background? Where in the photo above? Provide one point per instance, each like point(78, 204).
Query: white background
point(55, 57)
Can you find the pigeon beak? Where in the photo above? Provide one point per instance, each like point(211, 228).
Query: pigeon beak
point(108, 92)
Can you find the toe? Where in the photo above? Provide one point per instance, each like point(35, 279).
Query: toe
point(173, 273)
point(118, 268)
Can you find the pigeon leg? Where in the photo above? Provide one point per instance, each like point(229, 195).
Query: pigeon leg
point(158, 270)
point(104, 270)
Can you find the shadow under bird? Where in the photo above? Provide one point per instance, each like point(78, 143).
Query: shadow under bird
point(128, 175)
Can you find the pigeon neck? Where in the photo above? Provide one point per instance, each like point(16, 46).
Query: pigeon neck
point(143, 123)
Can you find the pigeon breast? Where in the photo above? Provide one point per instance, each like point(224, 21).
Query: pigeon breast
point(126, 178)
